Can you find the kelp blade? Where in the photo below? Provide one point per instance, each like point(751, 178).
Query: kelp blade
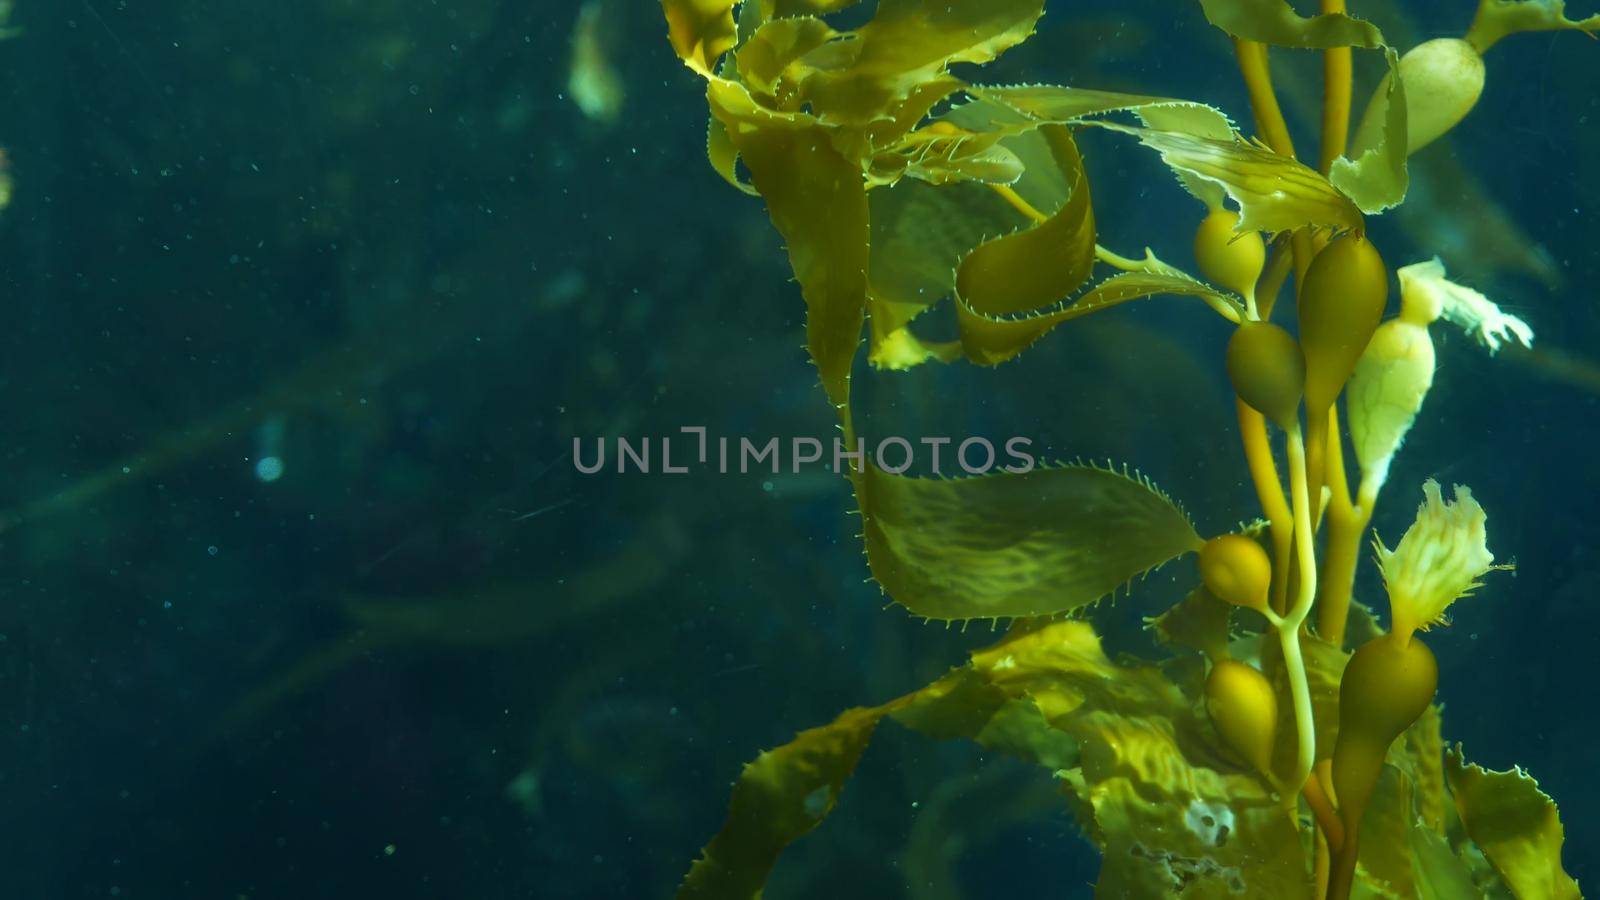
point(1275, 22)
point(1006, 545)
point(1515, 824)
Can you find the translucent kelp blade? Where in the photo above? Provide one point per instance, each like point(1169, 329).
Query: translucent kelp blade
point(907, 42)
point(1274, 192)
point(1200, 622)
point(1515, 824)
point(1424, 747)
point(1386, 860)
point(988, 341)
point(764, 58)
point(1440, 874)
point(818, 202)
point(919, 234)
point(700, 31)
point(1276, 22)
point(786, 792)
point(1376, 178)
point(724, 156)
point(1041, 265)
point(1062, 105)
point(1499, 18)
point(777, 9)
point(779, 798)
point(1015, 544)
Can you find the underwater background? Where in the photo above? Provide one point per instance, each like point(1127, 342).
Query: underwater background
point(301, 593)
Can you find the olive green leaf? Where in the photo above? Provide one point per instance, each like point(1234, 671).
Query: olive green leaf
point(988, 340)
point(855, 78)
point(1276, 22)
point(1376, 178)
point(1037, 266)
point(700, 31)
point(1008, 544)
point(1200, 622)
point(1274, 192)
point(1499, 18)
point(1515, 824)
point(818, 202)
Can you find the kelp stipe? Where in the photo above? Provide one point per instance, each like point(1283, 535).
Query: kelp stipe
point(1296, 768)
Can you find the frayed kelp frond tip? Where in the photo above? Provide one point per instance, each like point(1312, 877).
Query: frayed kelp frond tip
point(1439, 559)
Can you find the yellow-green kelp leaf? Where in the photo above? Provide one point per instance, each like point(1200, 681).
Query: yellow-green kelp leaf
point(1041, 265)
point(1015, 544)
point(1276, 22)
point(818, 202)
point(1499, 18)
point(1200, 622)
point(700, 31)
point(1274, 192)
point(1515, 824)
point(989, 340)
point(854, 79)
point(1440, 874)
point(1042, 103)
point(778, 798)
point(1376, 178)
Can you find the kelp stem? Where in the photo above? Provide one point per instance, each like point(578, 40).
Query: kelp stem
point(1289, 627)
point(1336, 78)
point(1264, 472)
point(1010, 195)
point(1347, 523)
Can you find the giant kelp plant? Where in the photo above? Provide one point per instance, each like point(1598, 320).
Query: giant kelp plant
point(1264, 757)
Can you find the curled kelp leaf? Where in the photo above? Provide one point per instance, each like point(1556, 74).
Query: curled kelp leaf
point(1009, 545)
point(1375, 177)
point(818, 202)
point(701, 31)
point(1498, 18)
point(1041, 265)
point(1274, 192)
point(1515, 824)
point(1275, 22)
point(989, 340)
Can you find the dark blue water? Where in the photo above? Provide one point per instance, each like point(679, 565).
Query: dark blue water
point(301, 594)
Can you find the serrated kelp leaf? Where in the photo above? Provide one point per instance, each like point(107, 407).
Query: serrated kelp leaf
point(1424, 745)
point(818, 202)
point(1515, 824)
point(987, 340)
point(1274, 192)
point(1499, 18)
point(1008, 544)
point(786, 792)
point(778, 9)
point(724, 157)
point(855, 79)
point(1065, 105)
point(778, 798)
point(1275, 22)
point(950, 156)
point(1199, 622)
point(1376, 178)
point(700, 31)
point(1036, 266)
point(763, 59)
